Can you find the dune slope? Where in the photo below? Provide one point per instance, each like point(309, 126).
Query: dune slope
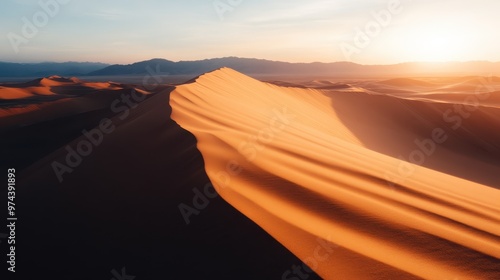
point(288, 159)
point(119, 208)
point(33, 126)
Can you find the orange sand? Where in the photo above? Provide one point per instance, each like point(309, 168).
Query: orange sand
point(314, 163)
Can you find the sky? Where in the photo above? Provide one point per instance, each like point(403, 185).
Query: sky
point(361, 31)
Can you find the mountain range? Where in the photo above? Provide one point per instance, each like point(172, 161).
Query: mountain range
point(45, 69)
point(248, 66)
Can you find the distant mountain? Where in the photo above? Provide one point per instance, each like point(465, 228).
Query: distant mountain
point(45, 69)
point(260, 66)
point(249, 66)
point(245, 65)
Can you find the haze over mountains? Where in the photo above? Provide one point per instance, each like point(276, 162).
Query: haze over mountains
point(248, 66)
point(45, 69)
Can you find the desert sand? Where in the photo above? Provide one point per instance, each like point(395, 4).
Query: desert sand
point(392, 179)
point(119, 208)
point(356, 178)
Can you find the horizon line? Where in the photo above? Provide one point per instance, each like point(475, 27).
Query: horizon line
point(270, 60)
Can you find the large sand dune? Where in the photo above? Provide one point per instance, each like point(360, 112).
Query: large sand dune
point(119, 207)
point(321, 165)
point(376, 180)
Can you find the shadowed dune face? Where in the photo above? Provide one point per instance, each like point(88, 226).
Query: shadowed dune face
point(319, 170)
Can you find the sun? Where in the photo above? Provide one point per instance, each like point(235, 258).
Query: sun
point(447, 40)
point(437, 47)
point(438, 43)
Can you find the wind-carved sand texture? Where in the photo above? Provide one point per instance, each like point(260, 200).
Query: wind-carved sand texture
point(326, 171)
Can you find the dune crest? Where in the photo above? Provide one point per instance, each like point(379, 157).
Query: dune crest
point(286, 158)
point(53, 85)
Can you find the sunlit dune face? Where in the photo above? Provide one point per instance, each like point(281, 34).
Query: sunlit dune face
point(320, 174)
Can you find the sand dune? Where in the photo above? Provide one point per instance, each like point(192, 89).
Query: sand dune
point(321, 165)
point(120, 206)
point(405, 82)
point(34, 125)
point(52, 85)
point(326, 173)
point(55, 97)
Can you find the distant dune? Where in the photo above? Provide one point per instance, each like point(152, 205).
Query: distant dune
point(357, 185)
point(48, 86)
point(405, 82)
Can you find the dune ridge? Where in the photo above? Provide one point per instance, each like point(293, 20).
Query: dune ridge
point(53, 85)
point(122, 199)
point(291, 160)
point(55, 97)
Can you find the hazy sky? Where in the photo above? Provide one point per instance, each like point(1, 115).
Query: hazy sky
point(362, 31)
